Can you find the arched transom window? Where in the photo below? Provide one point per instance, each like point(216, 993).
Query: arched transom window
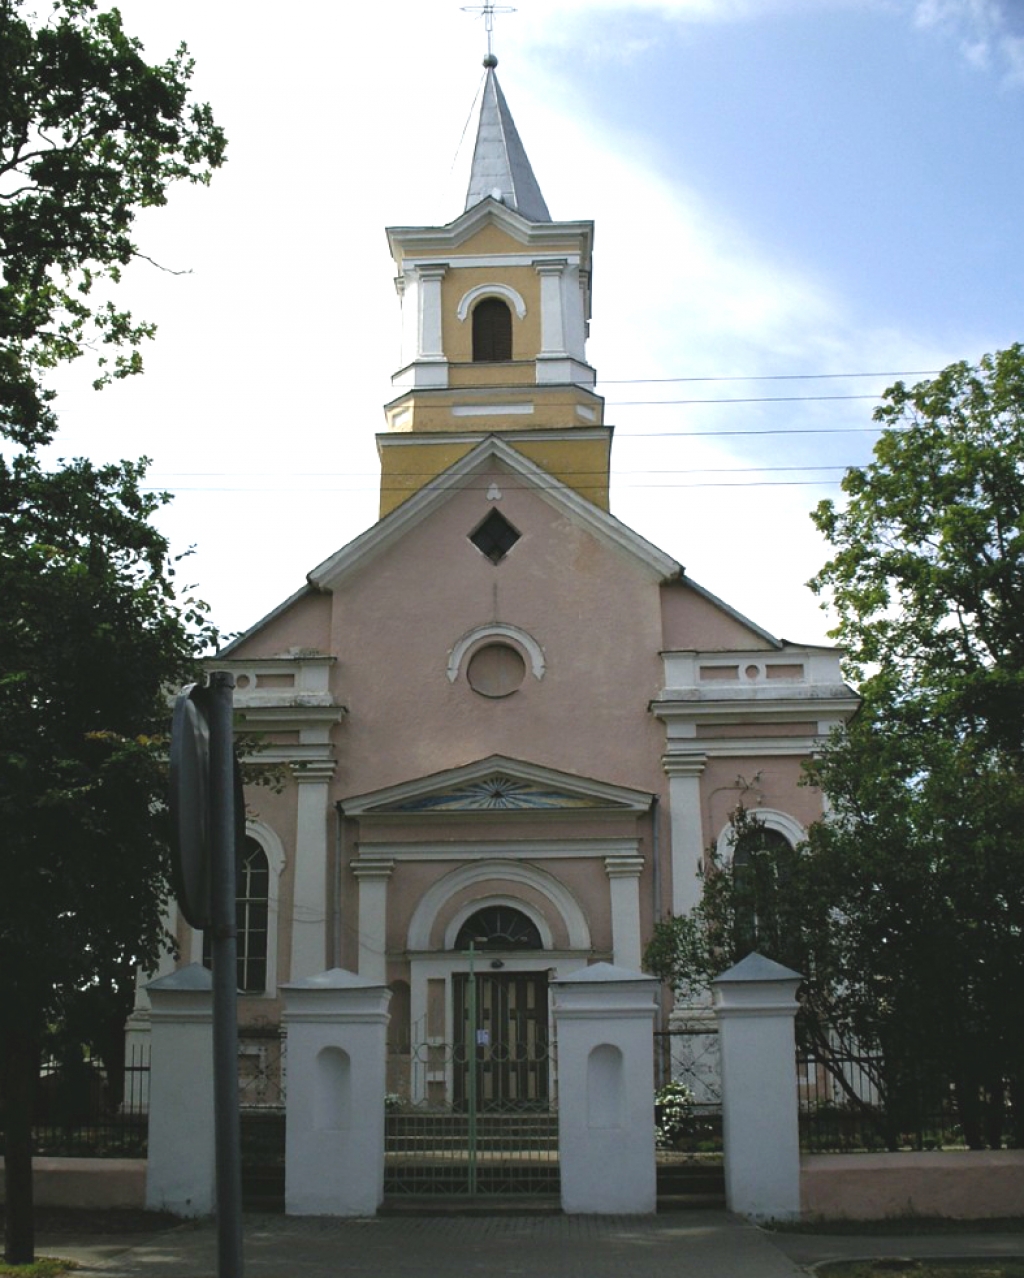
point(499, 927)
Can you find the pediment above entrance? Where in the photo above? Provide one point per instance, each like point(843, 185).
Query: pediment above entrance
point(497, 784)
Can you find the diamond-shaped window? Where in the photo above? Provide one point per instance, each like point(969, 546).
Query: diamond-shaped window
point(495, 537)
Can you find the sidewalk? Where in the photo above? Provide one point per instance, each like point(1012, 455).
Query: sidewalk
point(685, 1244)
point(708, 1244)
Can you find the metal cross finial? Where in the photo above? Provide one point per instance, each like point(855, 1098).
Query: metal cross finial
point(487, 12)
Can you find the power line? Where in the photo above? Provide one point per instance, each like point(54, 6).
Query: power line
point(764, 377)
point(366, 488)
point(752, 399)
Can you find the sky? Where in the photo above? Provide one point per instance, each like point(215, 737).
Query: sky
point(797, 202)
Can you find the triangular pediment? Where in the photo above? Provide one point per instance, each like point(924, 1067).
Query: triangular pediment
point(488, 454)
point(497, 784)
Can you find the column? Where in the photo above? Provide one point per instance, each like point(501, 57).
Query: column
point(623, 872)
point(604, 1024)
point(336, 1026)
point(686, 827)
point(180, 1168)
point(309, 907)
point(755, 1003)
point(373, 874)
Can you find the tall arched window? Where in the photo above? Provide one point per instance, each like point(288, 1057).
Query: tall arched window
point(252, 910)
point(761, 862)
point(492, 330)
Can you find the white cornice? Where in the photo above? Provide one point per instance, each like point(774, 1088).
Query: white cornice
point(788, 707)
point(544, 434)
point(477, 850)
point(429, 240)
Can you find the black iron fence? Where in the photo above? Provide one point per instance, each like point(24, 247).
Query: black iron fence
point(81, 1113)
point(852, 1103)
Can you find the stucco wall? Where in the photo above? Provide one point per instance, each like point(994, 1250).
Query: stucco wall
point(964, 1185)
point(593, 612)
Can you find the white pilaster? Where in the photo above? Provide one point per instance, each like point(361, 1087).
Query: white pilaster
point(604, 1019)
point(684, 772)
point(336, 1025)
point(552, 303)
point(180, 1169)
point(624, 888)
point(755, 1003)
point(373, 874)
point(309, 911)
point(429, 339)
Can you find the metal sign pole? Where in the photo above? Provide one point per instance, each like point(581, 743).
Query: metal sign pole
point(225, 978)
point(471, 1064)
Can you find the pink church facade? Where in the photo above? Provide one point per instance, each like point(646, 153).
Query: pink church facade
point(510, 727)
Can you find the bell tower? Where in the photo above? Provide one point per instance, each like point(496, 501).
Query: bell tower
point(495, 316)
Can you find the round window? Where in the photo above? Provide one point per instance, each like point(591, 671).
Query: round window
point(496, 670)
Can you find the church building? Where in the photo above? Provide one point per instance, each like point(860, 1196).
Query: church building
point(510, 726)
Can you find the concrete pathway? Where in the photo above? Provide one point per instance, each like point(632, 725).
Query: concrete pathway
point(676, 1245)
point(685, 1244)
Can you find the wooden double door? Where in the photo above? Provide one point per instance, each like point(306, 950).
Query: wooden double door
point(507, 1046)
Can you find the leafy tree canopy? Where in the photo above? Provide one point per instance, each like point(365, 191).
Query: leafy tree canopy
point(90, 133)
point(905, 907)
point(93, 637)
point(927, 578)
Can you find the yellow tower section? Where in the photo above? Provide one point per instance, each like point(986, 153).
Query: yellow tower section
point(495, 316)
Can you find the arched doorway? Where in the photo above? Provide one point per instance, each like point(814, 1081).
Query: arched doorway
point(500, 1017)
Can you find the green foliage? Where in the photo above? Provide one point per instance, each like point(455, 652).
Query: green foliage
point(928, 572)
point(93, 637)
point(673, 1108)
point(90, 133)
point(753, 899)
point(905, 908)
point(921, 857)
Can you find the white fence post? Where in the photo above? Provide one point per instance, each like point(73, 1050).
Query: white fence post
point(604, 1022)
point(755, 1003)
point(180, 1169)
point(336, 1026)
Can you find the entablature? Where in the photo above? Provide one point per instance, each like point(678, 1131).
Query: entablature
point(758, 688)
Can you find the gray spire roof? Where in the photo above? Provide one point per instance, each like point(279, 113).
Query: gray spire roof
point(500, 167)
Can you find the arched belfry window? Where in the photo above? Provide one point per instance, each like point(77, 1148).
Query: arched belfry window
point(492, 330)
point(499, 927)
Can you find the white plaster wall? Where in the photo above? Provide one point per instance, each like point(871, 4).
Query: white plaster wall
point(334, 1152)
point(604, 1017)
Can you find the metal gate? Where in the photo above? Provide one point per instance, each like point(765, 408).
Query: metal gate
point(483, 1122)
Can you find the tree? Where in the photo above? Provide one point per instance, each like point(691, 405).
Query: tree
point(93, 633)
point(90, 133)
point(92, 639)
point(905, 908)
point(927, 786)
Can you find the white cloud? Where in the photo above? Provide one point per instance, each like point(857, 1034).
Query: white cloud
point(986, 32)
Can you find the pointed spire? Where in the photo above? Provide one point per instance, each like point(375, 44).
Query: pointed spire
point(500, 167)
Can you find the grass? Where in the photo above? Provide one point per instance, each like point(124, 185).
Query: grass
point(900, 1225)
point(987, 1267)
